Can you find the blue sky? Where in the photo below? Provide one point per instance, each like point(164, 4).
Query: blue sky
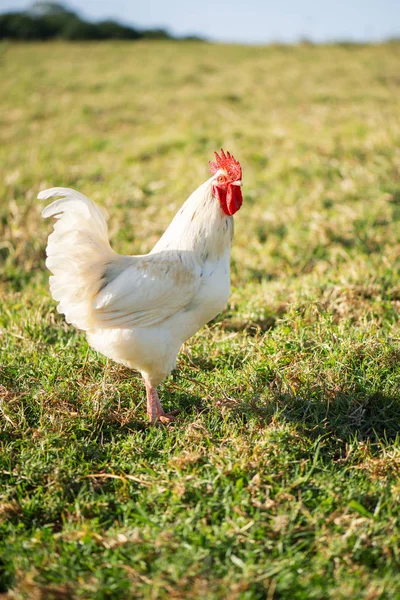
point(249, 21)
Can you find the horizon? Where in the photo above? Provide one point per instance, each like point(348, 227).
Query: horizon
point(232, 22)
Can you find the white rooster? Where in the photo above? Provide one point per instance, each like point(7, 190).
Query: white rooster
point(138, 310)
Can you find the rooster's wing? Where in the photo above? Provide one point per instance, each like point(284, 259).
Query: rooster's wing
point(152, 288)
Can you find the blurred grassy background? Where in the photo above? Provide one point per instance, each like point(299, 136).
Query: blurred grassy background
point(280, 477)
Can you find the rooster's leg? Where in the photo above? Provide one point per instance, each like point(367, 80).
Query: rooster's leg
point(155, 410)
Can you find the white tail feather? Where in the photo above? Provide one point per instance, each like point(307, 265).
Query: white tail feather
point(78, 252)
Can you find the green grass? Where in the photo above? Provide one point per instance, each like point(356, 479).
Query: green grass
point(280, 477)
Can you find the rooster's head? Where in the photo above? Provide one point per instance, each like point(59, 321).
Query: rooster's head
point(227, 181)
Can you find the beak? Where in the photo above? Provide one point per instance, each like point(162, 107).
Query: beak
point(238, 182)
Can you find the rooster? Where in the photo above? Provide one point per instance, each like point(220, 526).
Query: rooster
point(138, 310)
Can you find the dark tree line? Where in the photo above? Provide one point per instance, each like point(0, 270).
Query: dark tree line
point(50, 20)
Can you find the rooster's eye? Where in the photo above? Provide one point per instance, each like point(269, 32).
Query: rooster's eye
point(221, 179)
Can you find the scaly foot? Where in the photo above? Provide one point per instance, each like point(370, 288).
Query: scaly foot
point(155, 411)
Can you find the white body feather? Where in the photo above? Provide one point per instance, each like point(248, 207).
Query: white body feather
point(138, 310)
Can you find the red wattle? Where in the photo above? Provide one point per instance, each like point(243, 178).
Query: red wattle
point(230, 198)
point(234, 198)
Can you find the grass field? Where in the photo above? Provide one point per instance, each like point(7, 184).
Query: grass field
point(280, 477)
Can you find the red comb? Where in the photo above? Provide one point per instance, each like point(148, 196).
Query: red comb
point(227, 162)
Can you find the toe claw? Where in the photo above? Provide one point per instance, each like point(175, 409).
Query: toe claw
point(167, 418)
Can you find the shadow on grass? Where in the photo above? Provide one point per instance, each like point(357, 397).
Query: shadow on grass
point(365, 415)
